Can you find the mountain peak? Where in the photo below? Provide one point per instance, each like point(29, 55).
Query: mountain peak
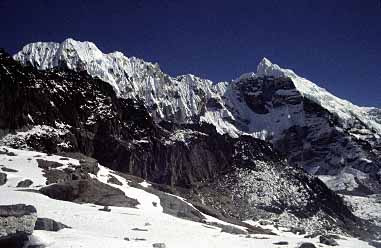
point(264, 68)
point(267, 68)
point(265, 61)
point(73, 42)
point(69, 40)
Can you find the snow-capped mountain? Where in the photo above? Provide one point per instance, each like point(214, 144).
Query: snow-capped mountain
point(178, 99)
point(324, 134)
point(182, 98)
point(345, 110)
point(61, 111)
point(185, 146)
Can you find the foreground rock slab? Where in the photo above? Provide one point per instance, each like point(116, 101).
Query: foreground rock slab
point(16, 224)
point(49, 225)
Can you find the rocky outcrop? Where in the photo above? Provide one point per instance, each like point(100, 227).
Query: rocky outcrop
point(174, 206)
point(307, 245)
point(3, 178)
point(375, 244)
point(24, 183)
point(16, 224)
point(324, 147)
point(88, 191)
point(324, 239)
point(231, 229)
point(159, 245)
point(324, 141)
point(47, 224)
point(8, 169)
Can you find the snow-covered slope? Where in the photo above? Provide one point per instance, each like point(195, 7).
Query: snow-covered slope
point(93, 228)
point(143, 226)
point(20, 165)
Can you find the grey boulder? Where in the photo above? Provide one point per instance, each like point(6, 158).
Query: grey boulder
point(47, 224)
point(327, 240)
point(16, 224)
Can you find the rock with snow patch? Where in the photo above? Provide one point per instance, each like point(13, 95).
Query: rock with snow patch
point(113, 180)
point(47, 165)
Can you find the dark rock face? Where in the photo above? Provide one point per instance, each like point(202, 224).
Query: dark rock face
point(14, 241)
point(281, 243)
point(232, 229)
point(49, 225)
point(3, 178)
point(8, 169)
point(113, 180)
point(310, 136)
point(16, 224)
point(296, 230)
point(323, 146)
point(8, 153)
point(375, 244)
point(264, 93)
point(105, 209)
point(17, 210)
point(327, 240)
point(159, 245)
point(47, 165)
point(307, 245)
point(229, 175)
point(25, 183)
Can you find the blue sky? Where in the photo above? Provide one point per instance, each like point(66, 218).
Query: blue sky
point(335, 43)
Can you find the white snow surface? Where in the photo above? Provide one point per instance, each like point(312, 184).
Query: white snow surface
point(94, 228)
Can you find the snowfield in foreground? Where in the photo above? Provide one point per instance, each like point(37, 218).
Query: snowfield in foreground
point(143, 226)
point(94, 228)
